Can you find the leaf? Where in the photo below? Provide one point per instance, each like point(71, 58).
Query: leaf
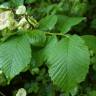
point(48, 22)
point(38, 58)
point(68, 61)
point(16, 3)
point(15, 55)
point(79, 9)
point(30, 1)
point(65, 23)
point(4, 7)
point(36, 37)
point(90, 40)
point(39, 55)
point(31, 87)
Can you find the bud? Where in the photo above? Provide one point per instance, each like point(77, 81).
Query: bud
point(21, 10)
point(23, 24)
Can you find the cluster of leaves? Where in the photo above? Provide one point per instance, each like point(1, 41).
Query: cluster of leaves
point(47, 48)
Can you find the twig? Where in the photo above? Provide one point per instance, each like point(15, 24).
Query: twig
point(49, 33)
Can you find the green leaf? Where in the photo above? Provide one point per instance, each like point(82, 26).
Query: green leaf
point(38, 58)
point(90, 40)
point(36, 37)
point(15, 55)
point(21, 10)
point(68, 61)
point(30, 1)
point(16, 3)
point(79, 9)
point(65, 23)
point(39, 55)
point(4, 7)
point(48, 22)
point(93, 24)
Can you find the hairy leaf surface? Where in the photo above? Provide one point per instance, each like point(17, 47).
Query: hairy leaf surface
point(68, 62)
point(15, 55)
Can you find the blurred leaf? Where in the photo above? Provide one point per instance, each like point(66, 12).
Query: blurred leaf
point(30, 1)
point(31, 87)
point(48, 22)
point(16, 3)
point(92, 93)
point(79, 9)
point(3, 80)
point(90, 40)
point(39, 55)
point(36, 37)
point(91, 43)
point(65, 23)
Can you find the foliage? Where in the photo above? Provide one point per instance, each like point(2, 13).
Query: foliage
point(47, 48)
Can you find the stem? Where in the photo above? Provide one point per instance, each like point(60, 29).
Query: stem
point(59, 34)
